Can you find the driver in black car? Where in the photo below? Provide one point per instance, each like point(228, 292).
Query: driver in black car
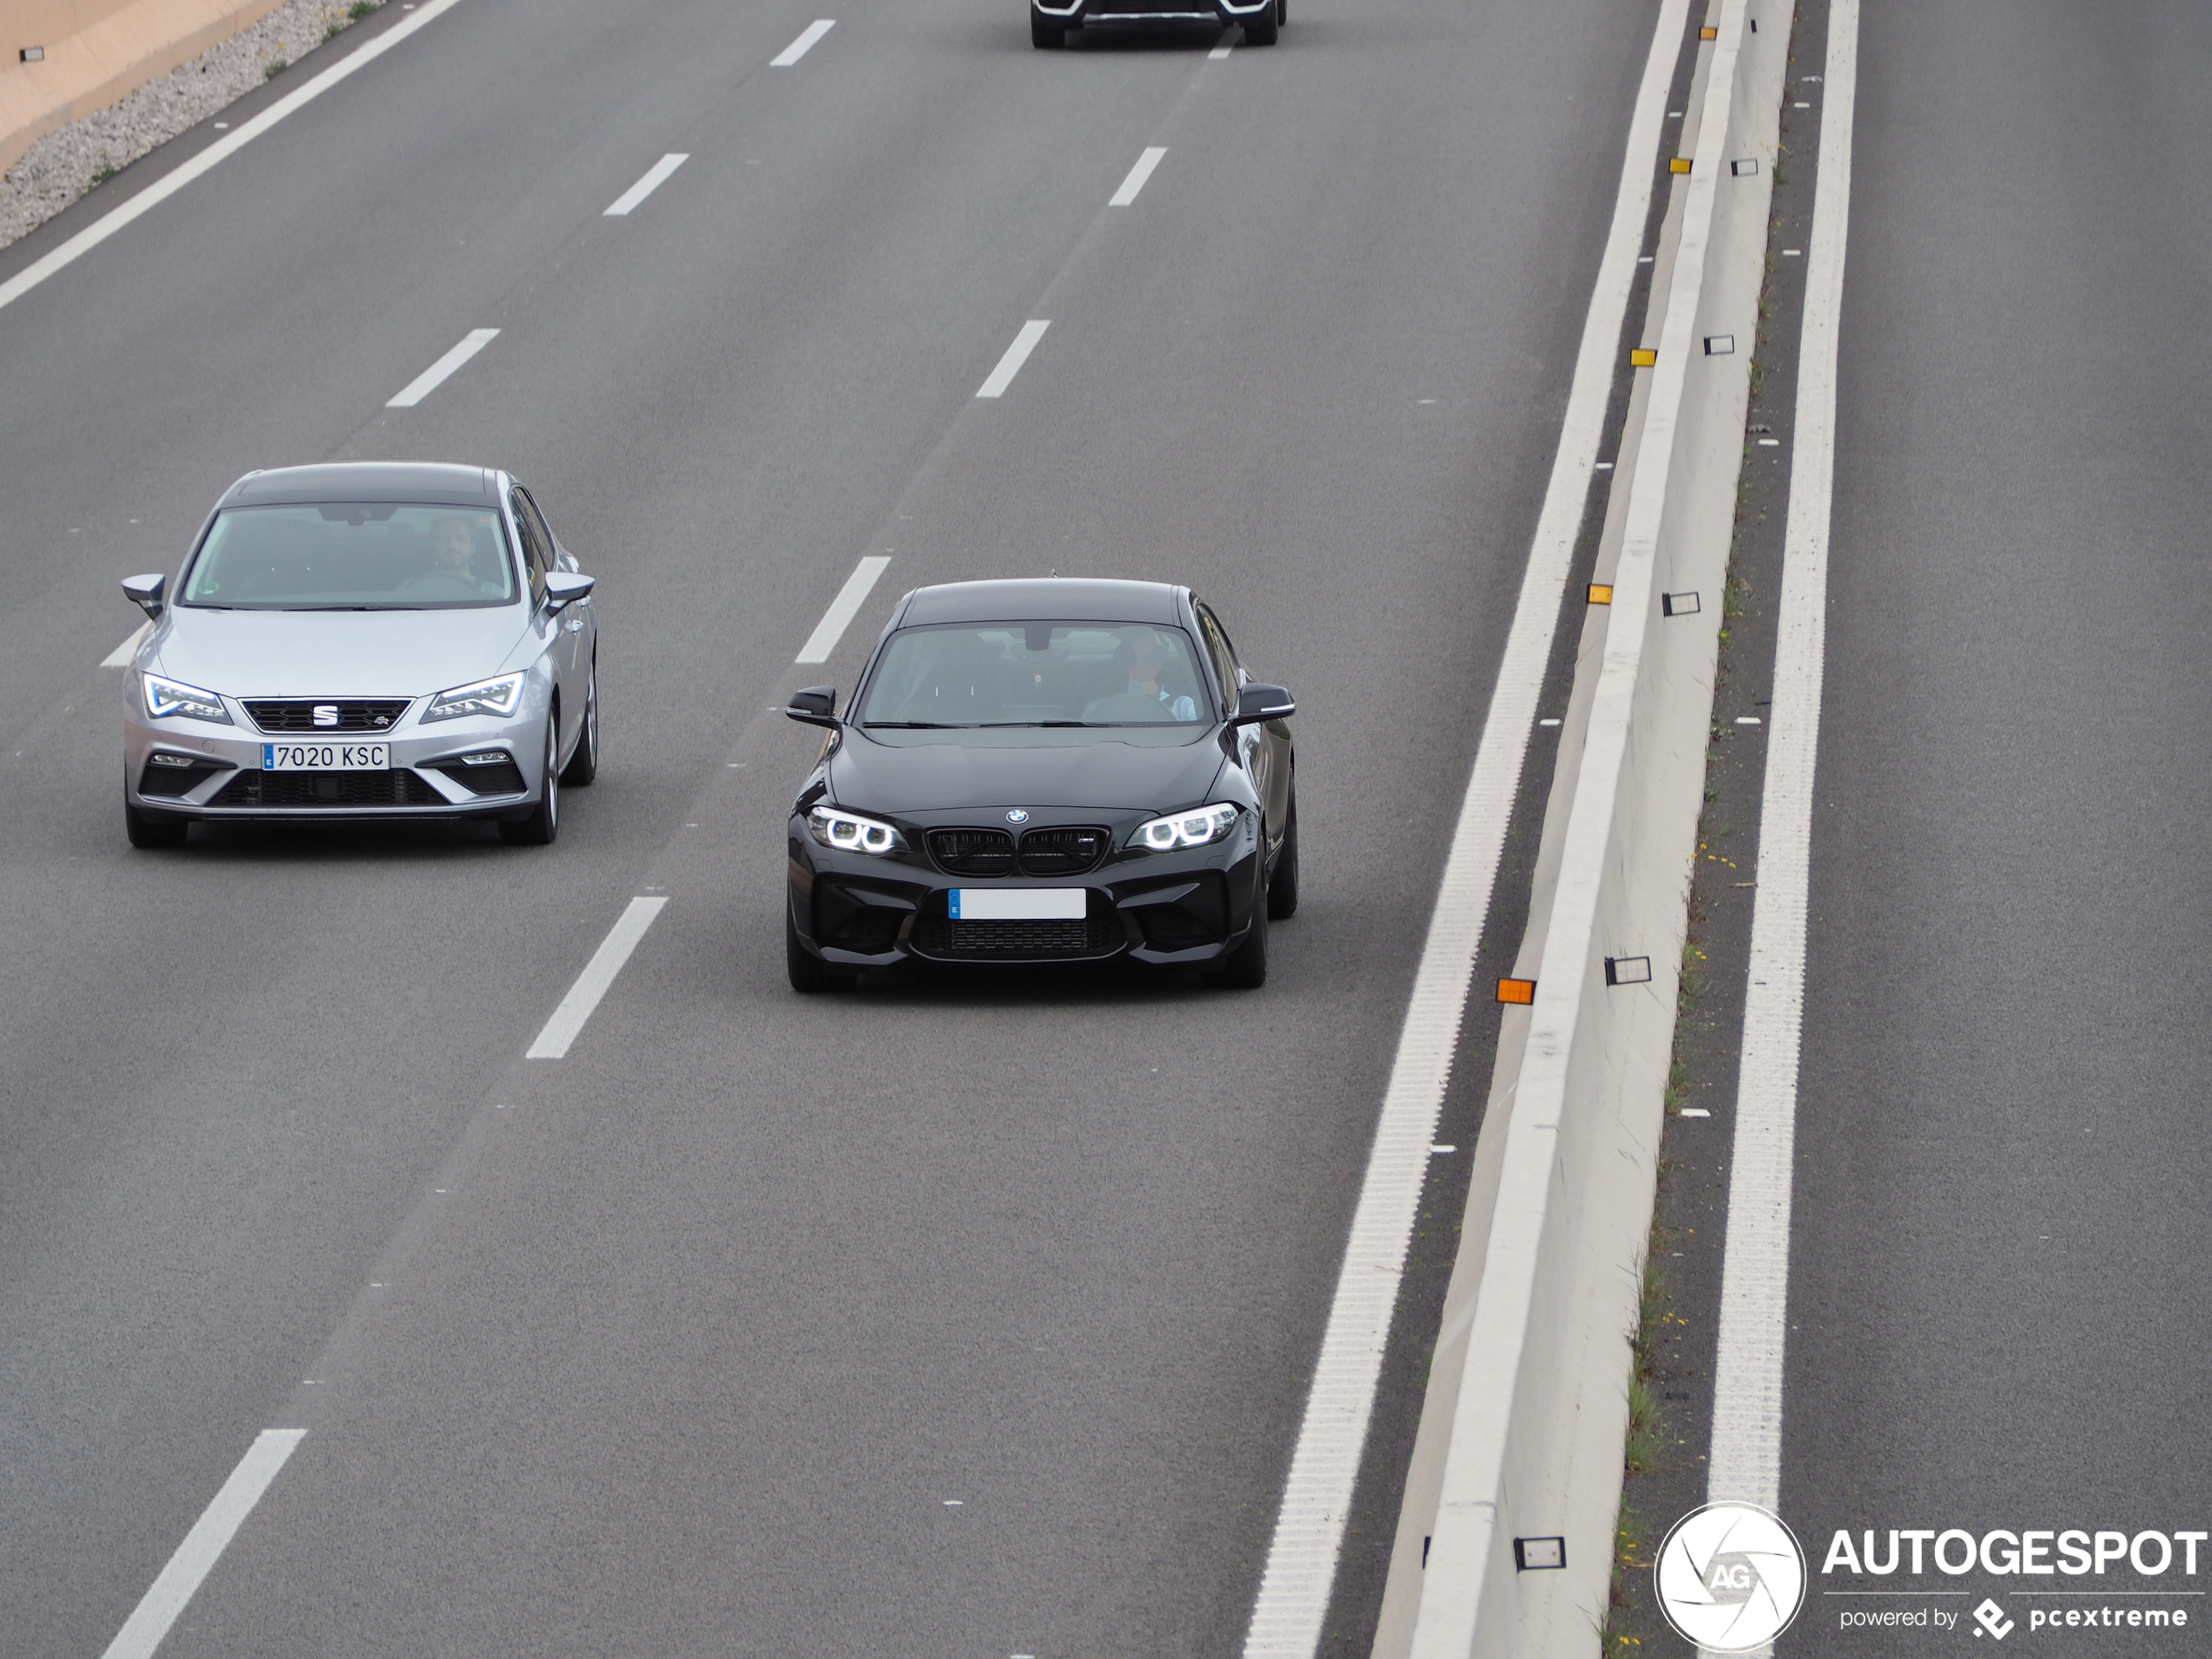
point(1143, 656)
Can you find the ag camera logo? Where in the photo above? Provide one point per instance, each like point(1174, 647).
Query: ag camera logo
point(1730, 1577)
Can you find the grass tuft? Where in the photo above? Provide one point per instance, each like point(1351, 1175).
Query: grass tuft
point(274, 68)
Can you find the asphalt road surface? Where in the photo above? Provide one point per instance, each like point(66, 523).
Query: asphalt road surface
point(1997, 1317)
point(963, 1315)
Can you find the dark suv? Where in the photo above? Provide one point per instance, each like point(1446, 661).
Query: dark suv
point(1259, 19)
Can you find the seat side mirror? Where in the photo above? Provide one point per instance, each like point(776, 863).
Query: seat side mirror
point(148, 592)
point(816, 706)
point(565, 588)
point(1257, 703)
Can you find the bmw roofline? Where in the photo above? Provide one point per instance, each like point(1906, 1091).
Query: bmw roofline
point(1041, 599)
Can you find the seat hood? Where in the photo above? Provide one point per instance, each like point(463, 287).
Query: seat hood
point(1111, 769)
point(337, 653)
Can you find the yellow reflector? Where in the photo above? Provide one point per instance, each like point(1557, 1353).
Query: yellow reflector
point(1517, 990)
point(1643, 357)
point(1601, 593)
point(1708, 34)
point(1680, 163)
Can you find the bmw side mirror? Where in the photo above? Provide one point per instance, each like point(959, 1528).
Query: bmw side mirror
point(1258, 703)
point(563, 588)
point(816, 706)
point(146, 592)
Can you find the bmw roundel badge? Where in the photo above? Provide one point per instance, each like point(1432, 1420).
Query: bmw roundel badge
point(1017, 816)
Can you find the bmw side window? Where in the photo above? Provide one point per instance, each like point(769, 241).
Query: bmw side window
point(1223, 656)
point(535, 556)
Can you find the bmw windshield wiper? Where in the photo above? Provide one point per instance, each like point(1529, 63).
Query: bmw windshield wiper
point(993, 725)
point(914, 725)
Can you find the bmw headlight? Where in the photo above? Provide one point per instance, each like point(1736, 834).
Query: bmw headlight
point(847, 833)
point(1186, 829)
point(500, 696)
point(165, 698)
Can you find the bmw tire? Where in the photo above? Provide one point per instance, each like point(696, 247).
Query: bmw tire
point(1045, 35)
point(1282, 887)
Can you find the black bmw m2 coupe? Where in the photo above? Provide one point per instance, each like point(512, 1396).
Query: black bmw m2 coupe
point(1051, 771)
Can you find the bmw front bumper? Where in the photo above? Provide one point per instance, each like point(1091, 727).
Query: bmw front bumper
point(1185, 908)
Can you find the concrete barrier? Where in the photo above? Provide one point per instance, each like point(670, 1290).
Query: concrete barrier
point(1527, 1410)
point(94, 52)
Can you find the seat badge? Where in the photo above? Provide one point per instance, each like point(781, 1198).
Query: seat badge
point(1017, 816)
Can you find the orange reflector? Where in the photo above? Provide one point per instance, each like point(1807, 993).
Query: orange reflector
point(1708, 34)
point(1601, 593)
point(1680, 163)
point(1517, 990)
point(1643, 357)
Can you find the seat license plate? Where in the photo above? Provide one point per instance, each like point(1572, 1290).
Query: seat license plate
point(326, 757)
point(1017, 904)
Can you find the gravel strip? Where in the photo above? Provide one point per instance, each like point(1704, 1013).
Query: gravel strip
point(63, 164)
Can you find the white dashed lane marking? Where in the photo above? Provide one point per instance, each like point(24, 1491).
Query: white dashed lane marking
point(805, 43)
point(843, 608)
point(598, 975)
point(121, 656)
point(204, 1545)
point(433, 377)
point(655, 177)
point(1138, 175)
point(1016, 354)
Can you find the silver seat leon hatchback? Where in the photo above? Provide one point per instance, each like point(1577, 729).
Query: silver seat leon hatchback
point(364, 640)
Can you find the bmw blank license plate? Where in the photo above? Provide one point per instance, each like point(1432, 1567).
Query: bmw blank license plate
point(1017, 904)
point(326, 757)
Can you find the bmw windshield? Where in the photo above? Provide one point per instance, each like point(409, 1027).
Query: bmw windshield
point(369, 556)
point(1036, 674)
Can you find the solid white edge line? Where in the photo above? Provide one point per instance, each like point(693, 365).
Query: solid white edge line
point(1302, 1555)
point(435, 376)
point(1218, 53)
point(93, 234)
point(598, 974)
point(1746, 1456)
point(655, 177)
point(805, 43)
point(843, 608)
point(121, 656)
point(1016, 354)
point(1138, 175)
point(204, 1545)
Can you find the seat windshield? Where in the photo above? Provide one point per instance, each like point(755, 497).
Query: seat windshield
point(1037, 673)
point(373, 556)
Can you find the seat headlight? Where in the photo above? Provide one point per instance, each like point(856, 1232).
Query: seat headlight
point(165, 698)
point(1186, 829)
point(500, 696)
point(848, 833)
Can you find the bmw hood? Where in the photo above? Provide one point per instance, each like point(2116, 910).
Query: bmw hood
point(337, 653)
point(1110, 769)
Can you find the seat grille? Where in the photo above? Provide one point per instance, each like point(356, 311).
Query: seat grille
point(297, 714)
point(1063, 851)
point(972, 851)
point(397, 788)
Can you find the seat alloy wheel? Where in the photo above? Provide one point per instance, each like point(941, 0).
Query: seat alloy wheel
point(584, 764)
point(542, 822)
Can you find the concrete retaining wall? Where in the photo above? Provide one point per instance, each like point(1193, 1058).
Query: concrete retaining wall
point(1527, 1410)
point(98, 51)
